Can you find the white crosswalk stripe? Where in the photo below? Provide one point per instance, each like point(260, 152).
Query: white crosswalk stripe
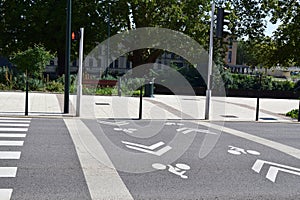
point(11, 135)
point(15, 125)
point(8, 172)
point(5, 194)
point(11, 128)
point(10, 154)
point(11, 143)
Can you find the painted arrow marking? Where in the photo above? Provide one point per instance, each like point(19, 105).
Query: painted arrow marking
point(274, 169)
point(151, 147)
point(186, 130)
point(148, 149)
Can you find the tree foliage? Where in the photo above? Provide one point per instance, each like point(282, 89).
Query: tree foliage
point(257, 53)
point(27, 22)
point(32, 61)
point(287, 35)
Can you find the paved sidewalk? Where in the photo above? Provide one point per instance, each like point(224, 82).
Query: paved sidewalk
point(159, 107)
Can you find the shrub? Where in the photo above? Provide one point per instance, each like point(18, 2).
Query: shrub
point(293, 113)
point(54, 86)
point(250, 82)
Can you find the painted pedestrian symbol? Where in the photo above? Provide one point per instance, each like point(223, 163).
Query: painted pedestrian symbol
point(148, 149)
point(274, 169)
point(238, 151)
point(126, 130)
point(179, 169)
point(186, 130)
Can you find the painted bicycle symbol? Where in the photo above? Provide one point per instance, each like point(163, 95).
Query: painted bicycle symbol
point(179, 169)
point(238, 151)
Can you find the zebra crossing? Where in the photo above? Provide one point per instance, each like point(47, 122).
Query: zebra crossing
point(12, 134)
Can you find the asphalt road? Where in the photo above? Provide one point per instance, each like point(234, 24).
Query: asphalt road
point(155, 159)
point(223, 174)
point(48, 167)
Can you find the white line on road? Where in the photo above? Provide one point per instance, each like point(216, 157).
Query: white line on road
point(157, 153)
point(5, 194)
point(8, 172)
point(11, 143)
point(15, 125)
point(119, 123)
point(273, 171)
point(11, 135)
point(13, 129)
point(103, 181)
point(269, 143)
point(151, 147)
point(14, 121)
point(10, 154)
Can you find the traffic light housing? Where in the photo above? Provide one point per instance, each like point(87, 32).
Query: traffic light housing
point(221, 22)
point(75, 36)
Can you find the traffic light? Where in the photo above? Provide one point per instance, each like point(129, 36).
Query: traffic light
point(75, 36)
point(221, 22)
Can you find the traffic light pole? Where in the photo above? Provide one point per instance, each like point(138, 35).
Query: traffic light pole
point(79, 86)
point(68, 52)
point(210, 63)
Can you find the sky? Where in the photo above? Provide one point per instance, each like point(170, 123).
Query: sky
point(270, 27)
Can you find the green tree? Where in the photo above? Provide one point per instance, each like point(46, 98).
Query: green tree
point(190, 17)
point(25, 23)
point(287, 35)
point(32, 61)
point(257, 53)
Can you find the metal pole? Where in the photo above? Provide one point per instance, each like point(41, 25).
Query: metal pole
point(79, 86)
point(299, 112)
point(119, 86)
point(68, 52)
point(257, 100)
point(210, 60)
point(108, 36)
point(141, 103)
point(26, 95)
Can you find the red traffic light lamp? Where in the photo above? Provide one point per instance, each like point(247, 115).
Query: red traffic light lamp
point(75, 36)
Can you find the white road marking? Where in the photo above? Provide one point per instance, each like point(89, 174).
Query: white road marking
point(157, 153)
point(8, 172)
point(11, 135)
point(269, 143)
point(186, 130)
point(120, 123)
point(10, 154)
point(14, 121)
point(151, 147)
point(179, 169)
point(239, 151)
point(103, 180)
point(13, 129)
point(5, 194)
point(14, 125)
point(274, 169)
point(11, 143)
